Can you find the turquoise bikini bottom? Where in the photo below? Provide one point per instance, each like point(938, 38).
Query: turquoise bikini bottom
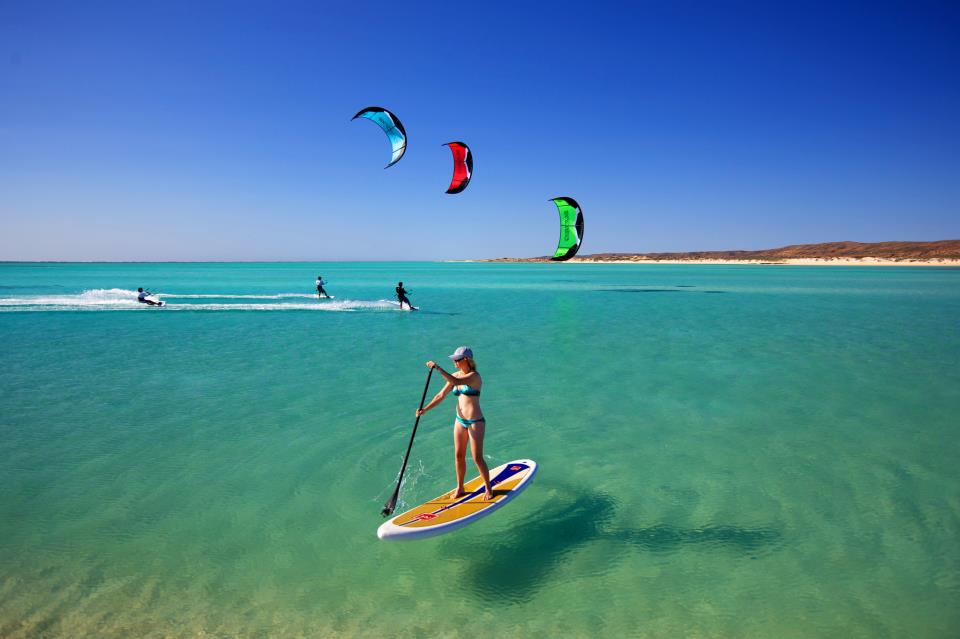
point(467, 423)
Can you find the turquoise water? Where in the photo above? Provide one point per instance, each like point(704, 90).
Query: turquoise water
point(725, 451)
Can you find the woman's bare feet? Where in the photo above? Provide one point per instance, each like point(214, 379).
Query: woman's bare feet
point(488, 494)
point(457, 493)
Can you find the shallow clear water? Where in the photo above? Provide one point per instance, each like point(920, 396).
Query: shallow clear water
point(725, 451)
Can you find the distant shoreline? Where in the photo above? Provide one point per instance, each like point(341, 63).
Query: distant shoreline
point(815, 261)
point(937, 253)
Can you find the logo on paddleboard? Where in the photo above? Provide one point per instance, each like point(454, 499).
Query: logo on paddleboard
point(516, 468)
point(426, 516)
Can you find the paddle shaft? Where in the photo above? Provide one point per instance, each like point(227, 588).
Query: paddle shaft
point(392, 503)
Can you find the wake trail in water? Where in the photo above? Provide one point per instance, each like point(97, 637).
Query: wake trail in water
point(95, 297)
point(229, 296)
point(118, 299)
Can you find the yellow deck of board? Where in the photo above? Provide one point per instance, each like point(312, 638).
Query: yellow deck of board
point(467, 508)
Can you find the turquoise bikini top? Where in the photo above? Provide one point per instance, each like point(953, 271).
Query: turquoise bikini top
point(465, 390)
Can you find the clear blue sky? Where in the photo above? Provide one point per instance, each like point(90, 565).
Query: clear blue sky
point(211, 131)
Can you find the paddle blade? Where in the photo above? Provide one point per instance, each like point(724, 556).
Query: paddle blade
point(389, 506)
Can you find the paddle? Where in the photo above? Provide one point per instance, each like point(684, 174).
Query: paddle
point(392, 502)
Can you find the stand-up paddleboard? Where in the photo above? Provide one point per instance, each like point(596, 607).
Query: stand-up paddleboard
point(444, 514)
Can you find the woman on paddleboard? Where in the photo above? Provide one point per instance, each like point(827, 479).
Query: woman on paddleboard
point(469, 424)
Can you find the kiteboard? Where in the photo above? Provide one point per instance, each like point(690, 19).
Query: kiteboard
point(402, 308)
point(445, 514)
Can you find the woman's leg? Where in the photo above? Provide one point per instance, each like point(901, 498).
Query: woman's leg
point(477, 431)
point(460, 437)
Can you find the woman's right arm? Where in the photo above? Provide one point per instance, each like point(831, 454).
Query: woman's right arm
point(439, 397)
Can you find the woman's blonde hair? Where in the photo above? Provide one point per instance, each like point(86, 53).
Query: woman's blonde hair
point(471, 363)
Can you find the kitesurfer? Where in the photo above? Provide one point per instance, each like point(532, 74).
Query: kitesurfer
point(142, 297)
point(402, 295)
point(320, 290)
point(469, 423)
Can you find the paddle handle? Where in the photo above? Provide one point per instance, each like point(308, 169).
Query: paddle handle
point(392, 502)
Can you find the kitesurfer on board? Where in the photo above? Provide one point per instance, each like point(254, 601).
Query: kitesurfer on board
point(142, 298)
point(320, 289)
point(402, 296)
